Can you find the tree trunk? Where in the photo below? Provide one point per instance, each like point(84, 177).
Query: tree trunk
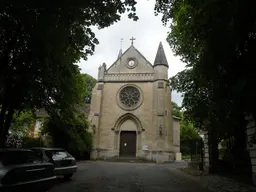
point(6, 125)
point(241, 156)
point(213, 151)
point(2, 120)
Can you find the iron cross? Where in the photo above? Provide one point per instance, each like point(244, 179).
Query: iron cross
point(132, 39)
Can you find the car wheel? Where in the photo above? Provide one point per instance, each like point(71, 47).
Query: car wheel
point(67, 177)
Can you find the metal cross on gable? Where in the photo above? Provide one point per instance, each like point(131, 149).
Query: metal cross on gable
point(132, 39)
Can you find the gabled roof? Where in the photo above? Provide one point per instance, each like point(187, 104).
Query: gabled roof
point(131, 47)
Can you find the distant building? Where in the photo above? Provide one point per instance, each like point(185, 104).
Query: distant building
point(41, 113)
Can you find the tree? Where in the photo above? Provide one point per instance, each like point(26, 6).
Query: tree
point(214, 74)
point(217, 90)
point(90, 82)
point(188, 133)
point(69, 131)
point(188, 136)
point(66, 125)
point(176, 110)
point(38, 49)
point(23, 122)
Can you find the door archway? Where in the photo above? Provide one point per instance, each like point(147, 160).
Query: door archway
point(127, 135)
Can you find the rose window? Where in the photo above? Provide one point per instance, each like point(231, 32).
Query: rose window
point(129, 96)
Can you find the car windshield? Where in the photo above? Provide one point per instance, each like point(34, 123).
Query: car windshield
point(18, 157)
point(57, 154)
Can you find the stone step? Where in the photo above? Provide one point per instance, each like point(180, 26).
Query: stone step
point(128, 159)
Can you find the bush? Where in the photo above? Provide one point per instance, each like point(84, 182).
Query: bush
point(17, 140)
point(29, 142)
point(47, 140)
point(14, 140)
point(69, 131)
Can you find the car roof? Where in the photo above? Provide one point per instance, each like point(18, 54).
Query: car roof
point(45, 148)
point(13, 149)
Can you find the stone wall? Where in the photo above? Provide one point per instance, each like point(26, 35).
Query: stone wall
point(206, 152)
point(251, 129)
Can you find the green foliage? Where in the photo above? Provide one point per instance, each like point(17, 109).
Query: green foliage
point(90, 82)
point(176, 110)
point(188, 137)
point(226, 149)
point(46, 140)
point(38, 48)
point(188, 133)
point(69, 131)
point(216, 91)
point(14, 140)
point(23, 122)
point(29, 142)
point(217, 41)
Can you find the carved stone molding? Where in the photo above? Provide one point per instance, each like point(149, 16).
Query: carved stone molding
point(129, 77)
point(125, 117)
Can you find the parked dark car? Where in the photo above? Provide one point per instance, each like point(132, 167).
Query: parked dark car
point(23, 170)
point(64, 163)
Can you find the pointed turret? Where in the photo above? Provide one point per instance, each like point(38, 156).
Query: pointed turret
point(101, 72)
point(160, 56)
point(120, 53)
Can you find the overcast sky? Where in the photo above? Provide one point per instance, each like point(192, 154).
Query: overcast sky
point(148, 32)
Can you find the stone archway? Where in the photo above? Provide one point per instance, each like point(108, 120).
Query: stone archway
point(128, 116)
point(127, 123)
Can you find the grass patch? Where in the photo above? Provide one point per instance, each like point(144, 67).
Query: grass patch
point(186, 157)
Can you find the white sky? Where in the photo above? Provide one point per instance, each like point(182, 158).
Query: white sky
point(148, 32)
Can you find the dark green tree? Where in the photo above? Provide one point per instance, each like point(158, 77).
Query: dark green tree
point(39, 46)
point(176, 111)
point(188, 133)
point(23, 122)
point(90, 82)
point(216, 39)
point(69, 131)
point(67, 126)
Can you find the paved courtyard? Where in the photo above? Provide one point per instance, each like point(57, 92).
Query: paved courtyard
point(128, 177)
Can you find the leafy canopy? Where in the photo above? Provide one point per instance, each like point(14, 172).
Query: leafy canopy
point(23, 122)
point(39, 46)
point(176, 110)
point(216, 39)
point(90, 82)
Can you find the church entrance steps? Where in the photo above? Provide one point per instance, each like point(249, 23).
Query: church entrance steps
point(134, 160)
point(128, 160)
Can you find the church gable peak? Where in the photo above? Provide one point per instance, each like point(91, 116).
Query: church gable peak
point(131, 61)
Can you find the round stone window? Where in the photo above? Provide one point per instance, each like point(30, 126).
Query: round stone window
point(129, 97)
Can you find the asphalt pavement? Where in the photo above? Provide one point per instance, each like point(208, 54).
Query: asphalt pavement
point(128, 177)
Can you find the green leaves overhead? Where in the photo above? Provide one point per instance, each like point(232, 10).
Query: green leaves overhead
point(39, 46)
point(176, 110)
point(216, 39)
point(23, 122)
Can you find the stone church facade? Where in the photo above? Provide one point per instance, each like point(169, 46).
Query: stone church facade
point(130, 111)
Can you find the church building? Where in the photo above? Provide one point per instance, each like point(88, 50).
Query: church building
point(130, 112)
